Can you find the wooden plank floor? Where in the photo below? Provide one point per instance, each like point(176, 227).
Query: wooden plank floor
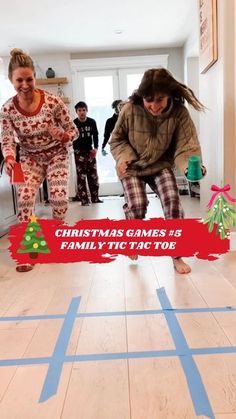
point(119, 357)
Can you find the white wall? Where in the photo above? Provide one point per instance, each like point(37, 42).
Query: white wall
point(191, 46)
point(217, 125)
point(61, 66)
point(191, 65)
point(192, 80)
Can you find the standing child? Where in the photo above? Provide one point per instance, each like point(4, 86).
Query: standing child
point(85, 148)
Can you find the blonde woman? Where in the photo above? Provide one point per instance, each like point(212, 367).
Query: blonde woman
point(44, 129)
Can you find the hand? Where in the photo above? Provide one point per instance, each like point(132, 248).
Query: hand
point(93, 152)
point(9, 164)
point(203, 170)
point(58, 133)
point(122, 167)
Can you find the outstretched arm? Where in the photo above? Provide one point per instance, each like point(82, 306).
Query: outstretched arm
point(8, 143)
point(107, 133)
point(186, 141)
point(66, 130)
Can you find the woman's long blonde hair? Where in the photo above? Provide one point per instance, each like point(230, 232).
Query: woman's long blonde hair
point(19, 59)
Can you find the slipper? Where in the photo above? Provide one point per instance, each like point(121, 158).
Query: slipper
point(24, 267)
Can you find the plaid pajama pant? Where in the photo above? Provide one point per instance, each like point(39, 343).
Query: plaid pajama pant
point(163, 184)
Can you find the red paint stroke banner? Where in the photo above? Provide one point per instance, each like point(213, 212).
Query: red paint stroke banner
point(101, 241)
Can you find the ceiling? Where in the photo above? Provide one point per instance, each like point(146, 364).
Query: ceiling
point(75, 26)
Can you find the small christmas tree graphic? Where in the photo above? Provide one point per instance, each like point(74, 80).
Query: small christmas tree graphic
point(33, 241)
point(222, 213)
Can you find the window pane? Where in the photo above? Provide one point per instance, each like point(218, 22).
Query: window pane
point(99, 95)
point(99, 90)
point(133, 81)
point(6, 90)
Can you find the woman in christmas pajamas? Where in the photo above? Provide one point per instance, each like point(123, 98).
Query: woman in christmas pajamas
point(153, 133)
point(43, 126)
point(44, 129)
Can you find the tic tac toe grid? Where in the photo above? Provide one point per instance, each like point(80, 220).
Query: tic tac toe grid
point(185, 354)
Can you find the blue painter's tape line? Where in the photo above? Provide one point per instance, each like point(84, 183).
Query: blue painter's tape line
point(119, 355)
point(30, 318)
point(120, 313)
point(24, 361)
point(157, 311)
point(123, 355)
point(58, 357)
point(213, 351)
point(196, 387)
point(205, 310)
point(148, 354)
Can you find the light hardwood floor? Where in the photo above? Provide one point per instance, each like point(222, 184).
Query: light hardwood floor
point(132, 347)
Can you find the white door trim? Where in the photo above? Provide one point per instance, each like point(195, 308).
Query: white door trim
point(147, 61)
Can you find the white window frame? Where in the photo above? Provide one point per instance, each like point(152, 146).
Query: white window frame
point(141, 62)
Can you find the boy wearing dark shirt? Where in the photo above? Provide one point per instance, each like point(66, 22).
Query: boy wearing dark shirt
point(85, 148)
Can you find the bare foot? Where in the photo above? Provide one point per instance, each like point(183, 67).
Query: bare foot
point(133, 257)
point(180, 266)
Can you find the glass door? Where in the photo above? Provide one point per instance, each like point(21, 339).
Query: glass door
point(99, 89)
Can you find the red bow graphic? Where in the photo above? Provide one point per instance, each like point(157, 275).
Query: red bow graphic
point(219, 190)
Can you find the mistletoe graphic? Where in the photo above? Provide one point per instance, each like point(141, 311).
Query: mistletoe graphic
point(220, 211)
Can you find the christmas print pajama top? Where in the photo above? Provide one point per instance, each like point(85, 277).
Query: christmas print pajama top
point(41, 155)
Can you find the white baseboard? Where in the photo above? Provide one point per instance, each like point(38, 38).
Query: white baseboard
point(233, 240)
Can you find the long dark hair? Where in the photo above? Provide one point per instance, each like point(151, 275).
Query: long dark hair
point(160, 80)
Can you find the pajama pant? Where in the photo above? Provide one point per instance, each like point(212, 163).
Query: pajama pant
point(86, 168)
point(163, 184)
point(53, 165)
